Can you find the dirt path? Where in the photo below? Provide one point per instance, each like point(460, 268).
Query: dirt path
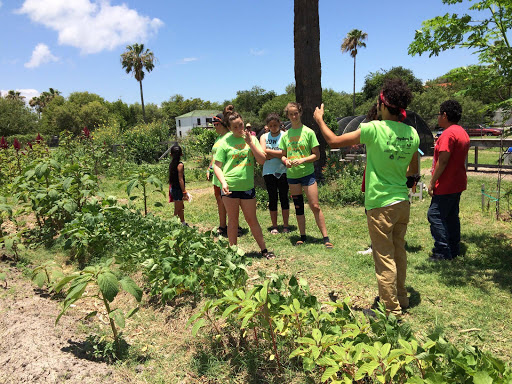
point(33, 349)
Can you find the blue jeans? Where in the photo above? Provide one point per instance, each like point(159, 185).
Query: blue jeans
point(443, 216)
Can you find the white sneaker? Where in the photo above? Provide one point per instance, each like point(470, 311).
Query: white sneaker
point(366, 251)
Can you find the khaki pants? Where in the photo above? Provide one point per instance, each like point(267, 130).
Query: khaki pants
point(387, 227)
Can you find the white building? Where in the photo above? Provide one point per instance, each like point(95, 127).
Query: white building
point(196, 118)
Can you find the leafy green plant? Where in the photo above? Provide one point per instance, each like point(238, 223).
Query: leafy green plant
point(105, 287)
point(142, 179)
point(337, 345)
point(48, 273)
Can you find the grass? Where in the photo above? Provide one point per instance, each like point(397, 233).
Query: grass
point(469, 298)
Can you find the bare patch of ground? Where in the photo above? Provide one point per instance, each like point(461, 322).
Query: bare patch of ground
point(33, 349)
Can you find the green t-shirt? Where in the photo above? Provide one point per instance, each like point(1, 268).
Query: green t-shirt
point(216, 181)
point(237, 162)
point(298, 144)
point(390, 146)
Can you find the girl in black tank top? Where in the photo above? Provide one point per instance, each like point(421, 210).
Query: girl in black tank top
point(177, 191)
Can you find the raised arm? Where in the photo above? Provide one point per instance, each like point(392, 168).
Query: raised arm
point(334, 141)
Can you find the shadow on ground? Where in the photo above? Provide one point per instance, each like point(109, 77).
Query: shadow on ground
point(491, 261)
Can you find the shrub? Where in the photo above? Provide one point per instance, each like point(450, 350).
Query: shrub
point(199, 143)
point(146, 142)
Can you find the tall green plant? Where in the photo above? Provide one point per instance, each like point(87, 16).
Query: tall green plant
point(104, 285)
point(142, 179)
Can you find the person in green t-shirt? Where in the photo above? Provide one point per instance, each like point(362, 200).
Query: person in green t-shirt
point(222, 130)
point(300, 150)
point(392, 157)
point(234, 167)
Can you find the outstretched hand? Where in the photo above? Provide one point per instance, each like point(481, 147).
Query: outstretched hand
point(318, 115)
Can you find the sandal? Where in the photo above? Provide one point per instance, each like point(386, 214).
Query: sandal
point(268, 255)
point(222, 231)
point(274, 231)
point(286, 230)
point(328, 245)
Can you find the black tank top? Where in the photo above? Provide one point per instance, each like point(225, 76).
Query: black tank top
point(175, 180)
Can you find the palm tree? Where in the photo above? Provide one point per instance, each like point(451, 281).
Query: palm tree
point(135, 59)
point(41, 101)
point(355, 38)
point(308, 68)
point(38, 103)
point(14, 95)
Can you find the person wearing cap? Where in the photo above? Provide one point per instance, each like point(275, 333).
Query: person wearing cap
point(392, 158)
point(222, 130)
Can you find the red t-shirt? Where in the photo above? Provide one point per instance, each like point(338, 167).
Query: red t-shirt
point(454, 140)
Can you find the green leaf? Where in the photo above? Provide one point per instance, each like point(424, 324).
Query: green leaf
point(131, 184)
point(317, 335)
point(132, 312)
point(197, 325)
point(131, 287)
point(329, 372)
point(109, 286)
point(366, 369)
point(482, 377)
point(118, 316)
point(62, 283)
point(39, 279)
point(229, 309)
point(90, 314)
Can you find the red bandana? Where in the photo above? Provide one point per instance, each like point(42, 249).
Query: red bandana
point(403, 114)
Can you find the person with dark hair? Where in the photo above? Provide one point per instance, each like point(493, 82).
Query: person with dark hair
point(222, 130)
point(448, 181)
point(177, 191)
point(234, 167)
point(392, 155)
point(300, 150)
point(274, 173)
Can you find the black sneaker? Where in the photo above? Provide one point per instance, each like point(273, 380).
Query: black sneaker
point(240, 231)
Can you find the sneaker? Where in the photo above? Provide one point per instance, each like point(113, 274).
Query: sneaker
point(240, 231)
point(366, 251)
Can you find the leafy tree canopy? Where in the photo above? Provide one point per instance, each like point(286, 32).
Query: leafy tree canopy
point(486, 30)
point(252, 100)
point(374, 81)
point(276, 105)
point(427, 103)
point(16, 118)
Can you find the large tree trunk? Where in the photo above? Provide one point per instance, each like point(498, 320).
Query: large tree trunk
point(354, 90)
point(142, 102)
point(308, 71)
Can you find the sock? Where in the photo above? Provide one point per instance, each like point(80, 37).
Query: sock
point(302, 237)
point(326, 239)
point(263, 251)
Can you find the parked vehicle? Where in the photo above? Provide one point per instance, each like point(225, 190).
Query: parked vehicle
point(482, 130)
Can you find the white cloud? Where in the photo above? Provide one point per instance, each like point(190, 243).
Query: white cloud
point(92, 26)
point(257, 52)
point(28, 93)
point(41, 55)
point(187, 60)
point(1, 4)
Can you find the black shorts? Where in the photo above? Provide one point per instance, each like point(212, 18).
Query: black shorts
point(244, 195)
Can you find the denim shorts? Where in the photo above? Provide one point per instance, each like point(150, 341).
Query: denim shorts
point(244, 195)
point(305, 181)
point(175, 194)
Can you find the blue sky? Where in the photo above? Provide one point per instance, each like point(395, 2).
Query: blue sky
point(207, 49)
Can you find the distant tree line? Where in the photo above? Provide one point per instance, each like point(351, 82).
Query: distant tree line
point(50, 113)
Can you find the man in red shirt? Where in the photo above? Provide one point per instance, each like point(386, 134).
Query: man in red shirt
point(447, 183)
